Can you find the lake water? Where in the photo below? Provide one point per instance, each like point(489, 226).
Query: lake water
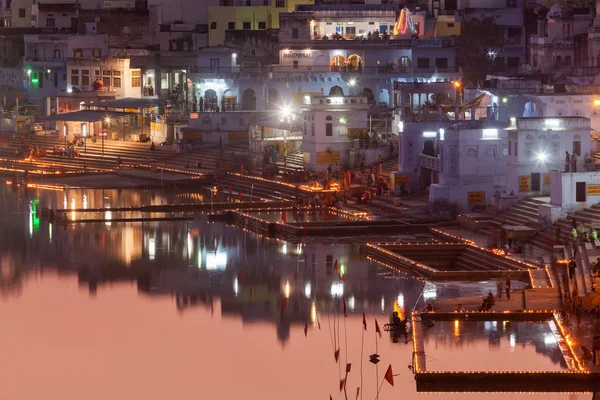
point(188, 310)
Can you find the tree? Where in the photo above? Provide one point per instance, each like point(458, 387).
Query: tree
point(478, 44)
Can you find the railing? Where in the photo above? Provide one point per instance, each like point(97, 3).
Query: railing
point(429, 162)
point(382, 69)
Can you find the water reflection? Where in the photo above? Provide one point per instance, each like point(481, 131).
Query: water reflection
point(190, 307)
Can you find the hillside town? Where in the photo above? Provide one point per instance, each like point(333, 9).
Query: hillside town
point(434, 164)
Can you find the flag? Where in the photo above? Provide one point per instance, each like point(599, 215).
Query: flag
point(342, 384)
point(336, 354)
point(305, 229)
point(306, 329)
point(342, 277)
point(230, 191)
point(378, 331)
point(283, 306)
point(175, 186)
point(389, 375)
point(239, 196)
point(345, 313)
point(336, 267)
point(284, 217)
point(364, 321)
point(215, 175)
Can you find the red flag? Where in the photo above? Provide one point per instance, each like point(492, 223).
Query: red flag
point(239, 196)
point(215, 175)
point(175, 186)
point(342, 277)
point(306, 329)
point(389, 375)
point(378, 331)
point(336, 267)
point(284, 217)
point(283, 306)
point(305, 229)
point(336, 354)
point(230, 191)
point(342, 384)
point(364, 321)
point(345, 313)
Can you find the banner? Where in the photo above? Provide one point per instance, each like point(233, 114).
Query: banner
point(358, 133)
point(547, 179)
point(476, 198)
point(525, 183)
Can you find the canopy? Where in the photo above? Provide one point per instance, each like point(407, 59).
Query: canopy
point(85, 116)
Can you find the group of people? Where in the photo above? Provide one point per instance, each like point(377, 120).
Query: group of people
point(581, 232)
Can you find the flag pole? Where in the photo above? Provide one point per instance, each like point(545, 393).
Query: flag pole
point(377, 365)
point(362, 345)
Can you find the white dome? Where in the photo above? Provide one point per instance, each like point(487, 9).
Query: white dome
point(554, 12)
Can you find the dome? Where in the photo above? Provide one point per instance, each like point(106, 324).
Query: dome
point(555, 12)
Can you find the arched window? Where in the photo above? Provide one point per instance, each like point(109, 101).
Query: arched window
point(490, 152)
point(328, 126)
point(471, 152)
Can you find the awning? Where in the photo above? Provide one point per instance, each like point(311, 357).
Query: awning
point(85, 116)
point(129, 102)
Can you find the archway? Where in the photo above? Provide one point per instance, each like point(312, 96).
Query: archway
point(321, 60)
point(368, 93)
point(384, 98)
point(229, 100)
point(429, 148)
point(337, 63)
point(249, 100)
point(355, 63)
point(336, 91)
point(210, 102)
point(272, 99)
point(558, 62)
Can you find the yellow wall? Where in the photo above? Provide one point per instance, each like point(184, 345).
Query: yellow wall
point(224, 15)
point(443, 30)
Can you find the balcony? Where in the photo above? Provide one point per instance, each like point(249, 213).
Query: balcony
point(289, 69)
point(432, 163)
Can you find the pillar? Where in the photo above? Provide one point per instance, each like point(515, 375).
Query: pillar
point(456, 113)
point(473, 114)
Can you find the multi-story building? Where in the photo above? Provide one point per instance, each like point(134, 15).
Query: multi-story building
point(247, 15)
point(5, 13)
point(63, 17)
point(560, 42)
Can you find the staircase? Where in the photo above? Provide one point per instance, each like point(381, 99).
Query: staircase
point(525, 212)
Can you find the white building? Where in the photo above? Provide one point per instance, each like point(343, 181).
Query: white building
point(331, 126)
point(60, 16)
point(537, 146)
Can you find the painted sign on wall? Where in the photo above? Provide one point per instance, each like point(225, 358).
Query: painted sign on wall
point(326, 157)
point(593, 190)
point(525, 183)
point(476, 198)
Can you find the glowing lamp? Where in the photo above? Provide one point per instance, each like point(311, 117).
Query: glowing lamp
point(597, 102)
point(542, 157)
point(505, 100)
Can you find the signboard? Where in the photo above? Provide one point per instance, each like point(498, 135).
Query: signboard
point(297, 54)
point(237, 137)
point(357, 133)
point(119, 3)
point(193, 115)
point(547, 179)
point(158, 129)
point(593, 190)
point(306, 158)
point(476, 198)
point(525, 183)
point(326, 157)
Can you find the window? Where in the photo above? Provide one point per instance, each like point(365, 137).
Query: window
point(568, 61)
point(516, 150)
point(312, 129)
point(556, 148)
point(450, 24)
point(417, 28)
point(513, 32)
point(213, 25)
point(50, 22)
point(472, 152)
point(441, 63)
point(116, 82)
point(294, 33)
point(509, 147)
point(350, 30)
point(512, 62)
point(295, 64)
point(74, 23)
point(136, 78)
point(404, 62)
point(85, 77)
point(279, 3)
point(511, 3)
point(231, 26)
point(265, 2)
point(21, 13)
point(56, 53)
point(262, 25)
point(423, 62)
point(75, 77)
point(96, 52)
point(529, 149)
point(96, 72)
point(246, 25)
point(328, 126)
point(106, 78)
point(185, 46)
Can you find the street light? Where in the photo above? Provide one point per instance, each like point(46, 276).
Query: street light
point(542, 156)
point(107, 119)
point(352, 82)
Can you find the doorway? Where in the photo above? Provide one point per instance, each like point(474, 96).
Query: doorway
point(580, 191)
point(577, 147)
point(536, 182)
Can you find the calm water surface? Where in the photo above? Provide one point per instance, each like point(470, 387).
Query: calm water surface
point(189, 310)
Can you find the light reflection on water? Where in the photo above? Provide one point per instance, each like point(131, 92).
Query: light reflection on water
point(182, 310)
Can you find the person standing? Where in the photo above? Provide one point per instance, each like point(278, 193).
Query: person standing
point(567, 161)
point(572, 268)
point(510, 236)
point(507, 287)
point(574, 162)
point(499, 289)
